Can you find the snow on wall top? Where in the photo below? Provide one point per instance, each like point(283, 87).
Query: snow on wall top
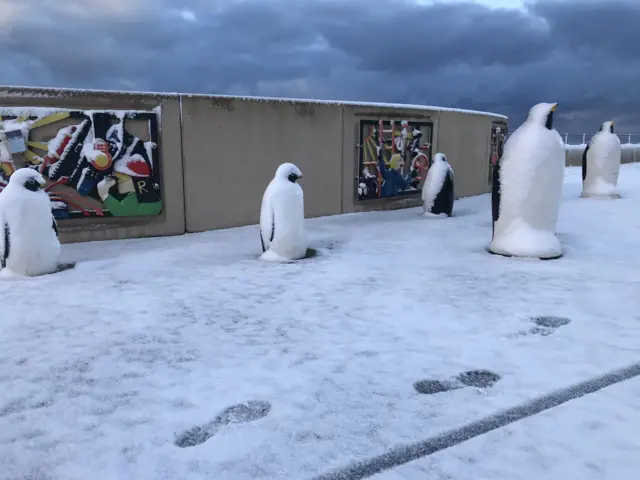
point(45, 92)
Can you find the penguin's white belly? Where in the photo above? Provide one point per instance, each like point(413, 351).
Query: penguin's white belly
point(542, 203)
point(531, 180)
point(34, 246)
point(433, 185)
point(603, 168)
point(290, 234)
point(531, 184)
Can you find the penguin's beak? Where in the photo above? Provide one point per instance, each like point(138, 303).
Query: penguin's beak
point(554, 108)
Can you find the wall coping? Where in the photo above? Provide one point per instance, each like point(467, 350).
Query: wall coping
point(48, 92)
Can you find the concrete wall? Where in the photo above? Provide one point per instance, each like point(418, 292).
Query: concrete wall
point(232, 147)
point(217, 155)
point(466, 140)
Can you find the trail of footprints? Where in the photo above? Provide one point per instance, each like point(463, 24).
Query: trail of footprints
point(256, 409)
point(543, 325)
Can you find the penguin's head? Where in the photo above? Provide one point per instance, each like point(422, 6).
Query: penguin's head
point(289, 172)
point(607, 127)
point(27, 178)
point(439, 157)
point(542, 114)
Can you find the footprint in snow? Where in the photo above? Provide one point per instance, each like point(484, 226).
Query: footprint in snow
point(478, 378)
point(239, 413)
point(544, 325)
point(471, 378)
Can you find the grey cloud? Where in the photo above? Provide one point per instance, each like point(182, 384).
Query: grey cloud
point(417, 38)
point(609, 27)
point(580, 53)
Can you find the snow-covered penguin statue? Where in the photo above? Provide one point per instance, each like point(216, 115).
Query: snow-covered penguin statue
point(29, 244)
point(527, 189)
point(437, 190)
point(282, 226)
point(601, 164)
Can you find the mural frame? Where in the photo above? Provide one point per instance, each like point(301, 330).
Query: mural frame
point(93, 165)
point(498, 138)
point(406, 158)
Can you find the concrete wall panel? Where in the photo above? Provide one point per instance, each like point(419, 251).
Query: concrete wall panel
point(232, 148)
point(466, 141)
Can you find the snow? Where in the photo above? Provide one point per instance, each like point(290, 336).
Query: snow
point(5, 155)
point(90, 152)
point(282, 217)
point(56, 142)
point(594, 437)
point(603, 164)
point(38, 112)
point(522, 240)
point(34, 248)
point(434, 181)
point(148, 338)
point(34, 92)
point(531, 180)
point(600, 188)
point(41, 112)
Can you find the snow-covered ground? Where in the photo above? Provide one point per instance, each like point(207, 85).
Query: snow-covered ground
point(593, 437)
point(104, 366)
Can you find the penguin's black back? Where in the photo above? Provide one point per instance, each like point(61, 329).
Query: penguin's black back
point(495, 195)
point(7, 245)
point(443, 203)
point(584, 162)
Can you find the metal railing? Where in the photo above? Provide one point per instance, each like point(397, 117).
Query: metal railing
point(583, 138)
point(575, 143)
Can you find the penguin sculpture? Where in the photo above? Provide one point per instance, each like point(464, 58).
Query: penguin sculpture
point(527, 189)
point(601, 164)
point(282, 225)
point(437, 190)
point(29, 244)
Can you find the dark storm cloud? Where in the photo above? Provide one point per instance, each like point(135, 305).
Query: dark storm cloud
point(607, 26)
point(420, 38)
point(581, 53)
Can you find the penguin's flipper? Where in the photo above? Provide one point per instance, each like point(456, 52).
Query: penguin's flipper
point(5, 243)
point(584, 162)
point(449, 184)
point(55, 225)
point(273, 226)
point(266, 223)
point(262, 242)
point(495, 195)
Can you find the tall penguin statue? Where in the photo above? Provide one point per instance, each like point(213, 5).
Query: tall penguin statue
point(437, 190)
point(527, 189)
point(29, 244)
point(282, 227)
point(601, 164)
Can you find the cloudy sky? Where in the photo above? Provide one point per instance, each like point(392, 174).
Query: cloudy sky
point(496, 55)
